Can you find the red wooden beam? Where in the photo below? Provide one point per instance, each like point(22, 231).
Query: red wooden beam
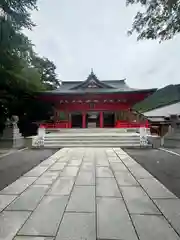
point(95, 107)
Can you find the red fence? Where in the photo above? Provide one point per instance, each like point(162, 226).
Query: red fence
point(119, 124)
point(123, 124)
point(63, 124)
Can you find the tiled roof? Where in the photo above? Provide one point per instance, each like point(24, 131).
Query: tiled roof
point(68, 86)
point(93, 85)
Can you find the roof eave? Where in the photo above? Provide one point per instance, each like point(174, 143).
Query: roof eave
point(86, 92)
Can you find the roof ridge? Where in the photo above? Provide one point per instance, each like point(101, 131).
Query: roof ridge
point(73, 81)
point(117, 80)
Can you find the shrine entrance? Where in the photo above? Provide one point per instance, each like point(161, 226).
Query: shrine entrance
point(109, 119)
point(92, 120)
point(76, 120)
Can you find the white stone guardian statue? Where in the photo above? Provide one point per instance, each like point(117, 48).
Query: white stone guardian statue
point(38, 141)
point(143, 136)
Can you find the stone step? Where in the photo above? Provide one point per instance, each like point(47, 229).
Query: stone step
point(92, 130)
point(89, 142)
point(91, 145)
point(86, 129)
point(92, 138)
point(92, 134)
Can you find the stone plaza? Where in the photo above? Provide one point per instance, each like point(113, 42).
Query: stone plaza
point(88, 194)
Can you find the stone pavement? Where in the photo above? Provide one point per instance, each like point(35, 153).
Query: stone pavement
point(88, 194)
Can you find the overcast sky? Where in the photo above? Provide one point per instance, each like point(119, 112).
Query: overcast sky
point(82, 34)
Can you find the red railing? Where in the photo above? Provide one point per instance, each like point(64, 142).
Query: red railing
point(119, 124)
point(63, 124)
point(123, 124)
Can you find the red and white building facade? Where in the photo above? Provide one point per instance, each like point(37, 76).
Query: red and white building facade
point(95, 103)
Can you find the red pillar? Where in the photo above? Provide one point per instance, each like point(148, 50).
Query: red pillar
point(101, 120)
point(84, 120)
point(55, 115)
point(69, 121)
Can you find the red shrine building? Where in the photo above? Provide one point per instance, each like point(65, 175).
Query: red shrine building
point(95, 104)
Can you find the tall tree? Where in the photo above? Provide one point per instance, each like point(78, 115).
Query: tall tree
point(158, 19)
point(46, 69)
point(14, 46)
point(18, 12)
point(20, 78)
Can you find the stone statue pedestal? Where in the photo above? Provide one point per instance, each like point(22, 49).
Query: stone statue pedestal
point(11, 137)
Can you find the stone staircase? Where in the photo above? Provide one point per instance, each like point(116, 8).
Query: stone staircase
point(91, 138)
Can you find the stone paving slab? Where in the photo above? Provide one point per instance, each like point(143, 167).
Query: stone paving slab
point(129, 162)
point(5, 200)
point(102, 163)
point(36, 172)
point(151, 227)
point(48, 162)
point(47, 178)
point(137, 201)
point(88, 166)
point(18, 186)
point(155, 189)
point(70, 171)
point(113, 221)
point(77, 226)
point(85, 178)
point(57, 166)
point(46, 218)
point(114, 159)
point(125, 179)
point(62, 186)
point(104, 172)
point(88, 159)
point(118, 167)
point(29, 199)
point(82, 199)
point(171, 209)
point(63, 159)
point(139, 172)
point(75, 162)
point(107, 187)
point(11, 222)
point(74, 186)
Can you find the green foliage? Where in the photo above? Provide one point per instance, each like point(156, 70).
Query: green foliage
point(162, 97)
point(22, 72)
point(46, 69)
point(158, 19)
point(17, 12)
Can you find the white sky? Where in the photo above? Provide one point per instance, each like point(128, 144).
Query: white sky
point(82, 34)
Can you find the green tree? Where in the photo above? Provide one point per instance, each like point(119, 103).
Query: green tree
point(46, 69)
point(158, 19)
point(20, 76)
point(17, 12)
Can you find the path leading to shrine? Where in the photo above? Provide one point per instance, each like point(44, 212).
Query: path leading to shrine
point(88, 194)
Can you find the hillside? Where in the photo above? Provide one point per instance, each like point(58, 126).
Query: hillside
point(161, 97)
